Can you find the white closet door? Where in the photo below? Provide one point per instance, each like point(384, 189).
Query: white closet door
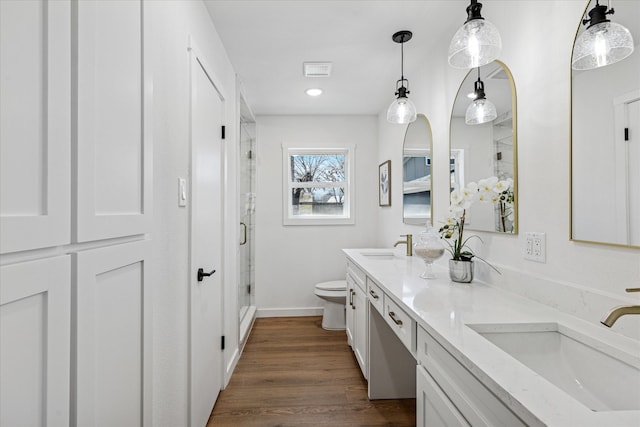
point(113, 336)
point(35, 342)
point(35, 53)
point(113, 180)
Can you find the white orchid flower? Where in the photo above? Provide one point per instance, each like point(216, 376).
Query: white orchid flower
point(456, 195)
point(486, 196)
point(487, 184)
point(501, 186)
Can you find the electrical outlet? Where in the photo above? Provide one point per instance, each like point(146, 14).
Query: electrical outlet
point(535, 247)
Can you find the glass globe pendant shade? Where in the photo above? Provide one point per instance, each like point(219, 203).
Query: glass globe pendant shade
point(476, 43)
point(480, 111)
point(601, 44)
point(401, 111)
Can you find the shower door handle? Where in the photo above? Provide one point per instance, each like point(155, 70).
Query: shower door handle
point(244, 234)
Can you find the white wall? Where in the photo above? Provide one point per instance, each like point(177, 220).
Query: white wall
point(290, 260)
point(584, 279)
point(172, 23)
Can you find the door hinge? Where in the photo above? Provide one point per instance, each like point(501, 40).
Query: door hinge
point(222, 343)
point(626, 134)
point(223, 132)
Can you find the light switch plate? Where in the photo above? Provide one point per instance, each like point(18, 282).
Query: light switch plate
point(182, 192)
point(535, 247)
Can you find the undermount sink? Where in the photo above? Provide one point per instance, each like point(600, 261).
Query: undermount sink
point(379, 256)
point(599, 376)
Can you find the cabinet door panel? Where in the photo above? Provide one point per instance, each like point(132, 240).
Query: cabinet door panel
point(35, 125)
point(113, 336)
point(34, 342)
point(114, 161)
point(351, 314)
point(433, 407)
point(361, 332)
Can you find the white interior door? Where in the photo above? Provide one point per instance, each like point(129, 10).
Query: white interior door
point(206, 243)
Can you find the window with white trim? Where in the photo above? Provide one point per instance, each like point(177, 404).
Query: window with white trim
point(317, 186)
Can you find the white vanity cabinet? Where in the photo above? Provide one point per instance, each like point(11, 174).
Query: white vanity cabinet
point(357, 309)
point(449, 395)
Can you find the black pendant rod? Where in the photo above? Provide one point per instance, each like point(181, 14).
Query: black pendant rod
point(402, 37)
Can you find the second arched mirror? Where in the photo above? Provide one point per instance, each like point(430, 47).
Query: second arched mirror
point(483, 142)
point(416, 172)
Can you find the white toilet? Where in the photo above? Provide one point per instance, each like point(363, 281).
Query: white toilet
point(334, 294)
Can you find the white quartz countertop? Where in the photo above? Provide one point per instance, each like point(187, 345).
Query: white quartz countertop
point(444, 309)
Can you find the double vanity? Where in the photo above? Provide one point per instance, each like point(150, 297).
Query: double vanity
point(472, 354)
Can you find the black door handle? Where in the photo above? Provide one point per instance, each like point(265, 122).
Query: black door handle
point(202, 274)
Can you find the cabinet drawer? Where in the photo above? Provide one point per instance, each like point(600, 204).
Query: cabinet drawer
point(478, 405)
point(376, 296)
point(401, 323)
point(358, 275)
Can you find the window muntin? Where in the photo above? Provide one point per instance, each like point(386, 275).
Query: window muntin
point(317, 186)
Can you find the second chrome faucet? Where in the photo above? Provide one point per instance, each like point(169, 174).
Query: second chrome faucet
point(408, 241)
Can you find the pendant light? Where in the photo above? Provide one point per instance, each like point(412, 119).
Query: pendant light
point(481, 110)
point(476, 43)
point(402, 110)
point(602, 43)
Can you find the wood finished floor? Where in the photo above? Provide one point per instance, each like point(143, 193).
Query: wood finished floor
point(294, 373)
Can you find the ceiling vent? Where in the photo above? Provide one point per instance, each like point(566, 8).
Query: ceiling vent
point(317, 69)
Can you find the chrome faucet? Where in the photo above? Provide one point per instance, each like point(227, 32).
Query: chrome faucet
point(408, 242)
point(617, 312)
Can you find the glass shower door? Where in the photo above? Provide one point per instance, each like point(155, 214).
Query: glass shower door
point(246, 286)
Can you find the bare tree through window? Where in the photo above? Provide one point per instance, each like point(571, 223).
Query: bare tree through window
point(325, 170)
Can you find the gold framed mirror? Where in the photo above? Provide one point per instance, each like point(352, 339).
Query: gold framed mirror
point(605, 158)
point(417, 171)
point(486, 152)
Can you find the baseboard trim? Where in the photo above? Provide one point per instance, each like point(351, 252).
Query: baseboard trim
point(233, 362)
point(289, 312)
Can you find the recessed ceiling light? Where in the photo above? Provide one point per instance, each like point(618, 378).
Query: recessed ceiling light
point(313, 92)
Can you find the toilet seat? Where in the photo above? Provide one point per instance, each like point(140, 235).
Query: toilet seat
point(334, 285)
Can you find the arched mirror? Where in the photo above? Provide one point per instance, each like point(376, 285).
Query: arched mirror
point(605, 142)
point(483, 147)
point(416, 172)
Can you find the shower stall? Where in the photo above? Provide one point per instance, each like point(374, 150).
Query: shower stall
point(247, 166)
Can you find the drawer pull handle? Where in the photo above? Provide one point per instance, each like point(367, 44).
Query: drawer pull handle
point(351, 297)
point(393, 317)
point(373, 294)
